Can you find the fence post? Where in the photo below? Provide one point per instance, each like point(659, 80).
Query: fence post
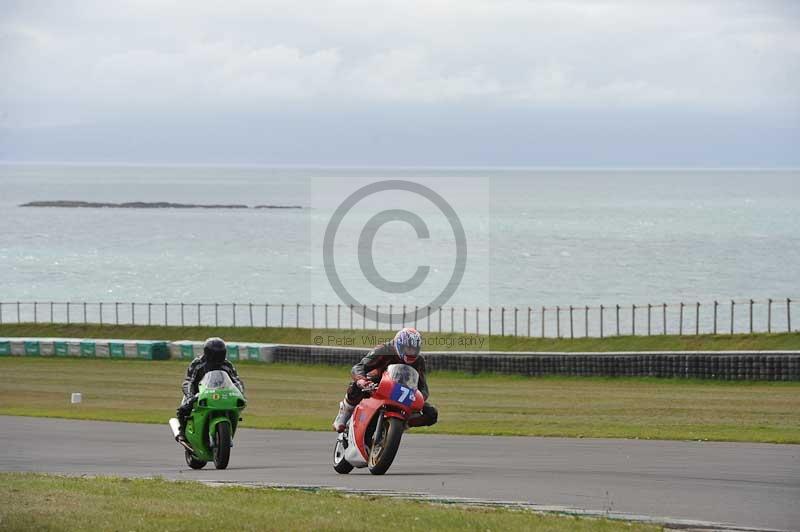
point(133, 313)
point(101, 313)
point(84, 312)
point(633, 320)
point(664, 318)
point(502, 321)
point(266, 315)
point(415, 316)
point(465, 320)
point(733, 305)
point(788, 315)
point(297, 316)
point(571, 335)
point(543, 311)
point(233, 306)
point(314, 316)
point(67, 313)
point(326, 316)
point(338, 315)
point(364, 317)
point(680, 324)
point(51, 312)
point(601, 320)
point(403, 322)
point(649, 309)
point(166, 313)
point(617, 320)
point(452, 318)
point(149, 312)
point(697, 319)
point(216, 314)
point(558, 322)
point(440, 319)
point(283, 310)
point(250, 311)
point(751, 316)
point(428, 326)
point(199, 319)
point(351, 318)
point(390, 317)
point(716, 304)
point(477, 321)
point(769, 315)
point(529, 322)
point(490, 321)
point(1, 313)
point(116, 312)
point(586, 322)
point(18, 312)
point(515, 320)
point(182, 321)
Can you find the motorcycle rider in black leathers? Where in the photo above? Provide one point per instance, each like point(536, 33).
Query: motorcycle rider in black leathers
point(404, 349)
point(214, 357)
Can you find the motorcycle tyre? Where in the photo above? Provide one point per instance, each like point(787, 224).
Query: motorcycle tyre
point(222, 445)
point(193, 462)
point(391, 443)
point(343, 467)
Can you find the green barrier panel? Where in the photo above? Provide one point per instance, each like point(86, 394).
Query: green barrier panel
point(152, 350)
point(187, 351)
point(233, 352)
point(116, 349)
point(32, 348)
point(88, 349)
point(253, 353)
point(61, 348)
point(5, 348)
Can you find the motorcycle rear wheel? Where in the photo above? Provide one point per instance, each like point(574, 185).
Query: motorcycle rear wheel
point(193, 462)
point(222, 445)
point(340, 464)
point(382, 456)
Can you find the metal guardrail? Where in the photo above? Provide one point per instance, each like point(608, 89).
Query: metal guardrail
point(568, 321)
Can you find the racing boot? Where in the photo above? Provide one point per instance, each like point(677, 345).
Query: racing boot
point(181, 437)
point(345, 411)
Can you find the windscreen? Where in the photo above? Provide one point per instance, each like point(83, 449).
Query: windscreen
point(217, 380)
point(404, 375)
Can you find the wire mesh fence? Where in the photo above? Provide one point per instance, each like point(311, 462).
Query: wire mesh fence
point(570, 321)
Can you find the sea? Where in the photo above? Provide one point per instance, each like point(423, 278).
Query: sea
point(442, 237)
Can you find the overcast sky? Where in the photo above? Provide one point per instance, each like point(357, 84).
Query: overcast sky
point(409, 83)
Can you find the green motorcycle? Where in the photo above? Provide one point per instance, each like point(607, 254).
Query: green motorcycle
point(212, 423)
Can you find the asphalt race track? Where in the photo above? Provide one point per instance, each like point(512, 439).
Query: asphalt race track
point(747, 485)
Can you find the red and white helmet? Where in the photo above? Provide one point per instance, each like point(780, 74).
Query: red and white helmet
point(408, 343)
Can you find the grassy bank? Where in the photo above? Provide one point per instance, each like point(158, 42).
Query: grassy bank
point(437, 342)
point(55, 503)
point(306, 397)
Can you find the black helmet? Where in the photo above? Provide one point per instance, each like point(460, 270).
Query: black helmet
point(215, 351)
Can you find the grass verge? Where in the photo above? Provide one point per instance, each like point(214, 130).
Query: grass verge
point(42, 502)
point(306, 397)
point(436, 342)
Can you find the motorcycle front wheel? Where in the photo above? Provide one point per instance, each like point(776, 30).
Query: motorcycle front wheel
point(222, 445)
point(382, 455)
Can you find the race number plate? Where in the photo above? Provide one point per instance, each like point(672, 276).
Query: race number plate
point(403, 394)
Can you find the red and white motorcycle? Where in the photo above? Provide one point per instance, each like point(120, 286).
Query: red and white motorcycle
point(373, 433)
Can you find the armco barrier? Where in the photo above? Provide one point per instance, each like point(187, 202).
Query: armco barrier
point(719, 365)
point(84, 347)
point(723, 365)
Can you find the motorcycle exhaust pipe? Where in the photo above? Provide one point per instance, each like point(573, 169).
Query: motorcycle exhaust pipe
point(175, 425)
